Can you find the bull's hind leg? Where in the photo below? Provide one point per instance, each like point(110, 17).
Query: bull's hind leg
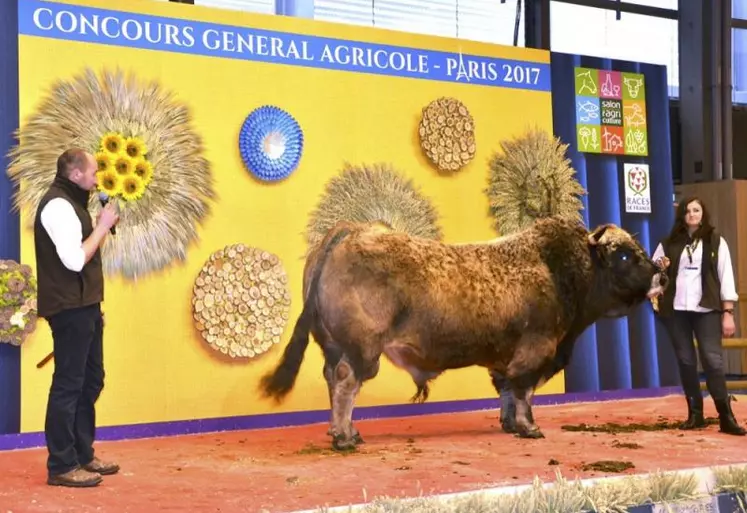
point(347, 380)
point(331, 359)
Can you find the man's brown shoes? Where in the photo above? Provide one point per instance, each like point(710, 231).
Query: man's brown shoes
point(103, 468)
point(86, 476)
point(77, 478)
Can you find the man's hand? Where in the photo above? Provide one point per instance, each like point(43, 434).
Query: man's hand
point(663, 263)
point(728, 328)
point(108, 216)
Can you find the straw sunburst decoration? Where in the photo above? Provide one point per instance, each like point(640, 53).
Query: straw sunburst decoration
point(532, 179)
point(149, 156)
point(373, 194)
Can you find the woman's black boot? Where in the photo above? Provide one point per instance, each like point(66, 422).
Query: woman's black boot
point(727, 422)
point(695, 417)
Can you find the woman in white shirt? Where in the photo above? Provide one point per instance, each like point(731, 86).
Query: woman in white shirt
point(699, 301)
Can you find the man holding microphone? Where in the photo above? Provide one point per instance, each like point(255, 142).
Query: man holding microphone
point(70, 291)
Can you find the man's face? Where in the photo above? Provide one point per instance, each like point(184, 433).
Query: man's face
point(85, 178)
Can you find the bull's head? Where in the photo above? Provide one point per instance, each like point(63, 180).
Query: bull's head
point(625, 274)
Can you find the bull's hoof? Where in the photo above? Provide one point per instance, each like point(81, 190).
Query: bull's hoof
point(356, 435)
point(530, 433)
point(340, 444)
point(508, 427)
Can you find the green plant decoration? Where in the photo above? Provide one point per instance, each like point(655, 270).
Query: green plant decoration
point(18, 313)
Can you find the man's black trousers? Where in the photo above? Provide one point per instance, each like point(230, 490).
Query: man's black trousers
point(78, 379)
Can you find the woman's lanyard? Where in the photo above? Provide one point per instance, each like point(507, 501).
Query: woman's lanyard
point(690, 248)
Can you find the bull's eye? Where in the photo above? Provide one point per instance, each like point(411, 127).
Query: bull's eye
point(623, 255)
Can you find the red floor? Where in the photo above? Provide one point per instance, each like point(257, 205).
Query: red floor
point(249, 471)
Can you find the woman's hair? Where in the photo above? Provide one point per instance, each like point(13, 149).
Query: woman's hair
point(679, 230)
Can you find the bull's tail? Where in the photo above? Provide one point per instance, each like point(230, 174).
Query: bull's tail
point(278, 383)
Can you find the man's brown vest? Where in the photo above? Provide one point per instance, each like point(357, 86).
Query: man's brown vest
point(59, 288)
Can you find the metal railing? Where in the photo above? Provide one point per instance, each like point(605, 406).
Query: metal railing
point(732, 343)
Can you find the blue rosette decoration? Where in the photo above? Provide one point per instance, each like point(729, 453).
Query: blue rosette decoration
point(270, 143)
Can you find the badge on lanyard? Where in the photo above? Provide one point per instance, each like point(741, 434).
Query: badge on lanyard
point(690, 248)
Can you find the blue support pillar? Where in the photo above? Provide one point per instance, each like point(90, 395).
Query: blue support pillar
point(582, 373)
point(10, 244)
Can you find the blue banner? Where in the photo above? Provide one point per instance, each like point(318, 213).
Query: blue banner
point(149, 32)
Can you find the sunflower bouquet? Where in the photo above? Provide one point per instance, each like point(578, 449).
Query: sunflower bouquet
point(17, 302)
point(123, 167)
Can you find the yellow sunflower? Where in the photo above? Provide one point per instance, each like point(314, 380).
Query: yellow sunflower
point(135, 147)
point(144, 170)
point(104, 161)
point(113, 142)
point(109, 182)
point(132, 188)
point(124, 165)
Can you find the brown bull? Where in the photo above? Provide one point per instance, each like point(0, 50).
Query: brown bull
point(510, 305)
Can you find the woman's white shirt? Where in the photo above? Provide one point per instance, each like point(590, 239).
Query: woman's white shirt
point(689, 285)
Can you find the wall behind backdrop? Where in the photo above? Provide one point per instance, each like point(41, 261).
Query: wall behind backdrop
point(158, 367)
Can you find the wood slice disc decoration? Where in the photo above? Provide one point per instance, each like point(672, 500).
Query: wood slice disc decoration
point(241, 301)
point(447, 134)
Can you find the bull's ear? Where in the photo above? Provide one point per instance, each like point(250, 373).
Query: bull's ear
point(596, 235)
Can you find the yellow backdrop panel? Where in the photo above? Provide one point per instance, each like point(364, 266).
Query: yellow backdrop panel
point(157, 367)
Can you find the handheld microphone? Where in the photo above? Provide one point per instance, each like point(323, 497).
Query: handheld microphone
point(104, 199)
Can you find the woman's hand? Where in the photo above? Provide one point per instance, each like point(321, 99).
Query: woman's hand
point(727, 324)
point(663, 263)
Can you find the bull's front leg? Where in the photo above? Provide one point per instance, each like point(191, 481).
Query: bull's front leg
point(533, 360)
point(546, 372)
point(525, 426)
point(508, 406)
point(524, 387)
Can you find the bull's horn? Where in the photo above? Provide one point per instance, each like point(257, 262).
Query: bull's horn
point(596, 235)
